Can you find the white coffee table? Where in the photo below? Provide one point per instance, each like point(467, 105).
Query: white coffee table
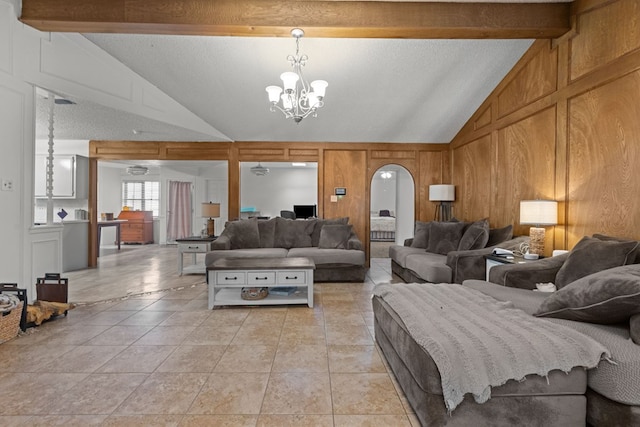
point(227, 277)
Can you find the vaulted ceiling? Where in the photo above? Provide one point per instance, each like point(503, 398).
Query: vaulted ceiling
point(397, 71)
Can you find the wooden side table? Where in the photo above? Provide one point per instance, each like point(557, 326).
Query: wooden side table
point(193, 245)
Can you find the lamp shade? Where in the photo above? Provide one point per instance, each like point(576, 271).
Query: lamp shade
point(210, 210)
point(538, 212)
point(442, 193)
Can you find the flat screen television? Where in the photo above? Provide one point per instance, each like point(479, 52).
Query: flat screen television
point(304, 211)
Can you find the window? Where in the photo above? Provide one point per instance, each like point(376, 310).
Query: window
point(142, 196)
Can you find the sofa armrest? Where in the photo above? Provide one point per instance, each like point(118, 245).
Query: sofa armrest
point(471, 264)
point(221, 243)
point(354, 243)
point(525, 276)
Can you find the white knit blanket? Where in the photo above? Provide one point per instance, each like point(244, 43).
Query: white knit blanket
point(478, 342)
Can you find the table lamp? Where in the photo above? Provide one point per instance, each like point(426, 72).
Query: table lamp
point(445, 194)
point(538, 213)
point(210, 210)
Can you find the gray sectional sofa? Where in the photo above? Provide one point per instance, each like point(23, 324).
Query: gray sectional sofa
point(598, 295)
point(449, 252)
point(330, 243)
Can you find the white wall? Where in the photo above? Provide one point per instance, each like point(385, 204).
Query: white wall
point(279, 190)
point(70, 64)
point(383, 193)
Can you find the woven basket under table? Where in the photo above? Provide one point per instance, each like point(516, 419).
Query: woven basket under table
point(10, 323)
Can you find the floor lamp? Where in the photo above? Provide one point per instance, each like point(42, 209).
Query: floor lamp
point(210, 210)
point(538, 213)
point(445, 194)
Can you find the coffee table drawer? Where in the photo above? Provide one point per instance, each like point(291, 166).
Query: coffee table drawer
point(262, 278)
point(292, 277)
point(231, 277)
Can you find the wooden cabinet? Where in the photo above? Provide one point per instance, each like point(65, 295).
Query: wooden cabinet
point(138, 228)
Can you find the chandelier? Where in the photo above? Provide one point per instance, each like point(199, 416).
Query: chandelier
point(299, 98)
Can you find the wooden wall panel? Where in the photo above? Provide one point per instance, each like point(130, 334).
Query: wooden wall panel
point(525, 169)
point(472, 178)
point(604, 160)
point(604, 34)
point(431, 172)
point(347, 168)
point(578, 143)
point(536, 79)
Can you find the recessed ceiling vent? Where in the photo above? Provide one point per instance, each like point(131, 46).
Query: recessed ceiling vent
point(259, 170)
point(137, 170)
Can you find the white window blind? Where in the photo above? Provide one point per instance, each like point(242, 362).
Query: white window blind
point(142, 195)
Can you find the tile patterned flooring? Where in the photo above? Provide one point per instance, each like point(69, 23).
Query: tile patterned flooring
point(160, 358)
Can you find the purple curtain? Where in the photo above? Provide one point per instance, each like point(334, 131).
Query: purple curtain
point(179, 210)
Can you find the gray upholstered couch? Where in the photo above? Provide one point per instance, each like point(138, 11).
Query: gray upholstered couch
point(598, 295)
point(331, 244)
point(449, 252)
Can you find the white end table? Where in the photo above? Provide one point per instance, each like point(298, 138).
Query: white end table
point(194, 246)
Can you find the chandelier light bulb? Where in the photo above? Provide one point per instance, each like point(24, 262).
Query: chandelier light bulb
point(299, 98)
point(289, 79)
point(274, 93)
point(319, 87)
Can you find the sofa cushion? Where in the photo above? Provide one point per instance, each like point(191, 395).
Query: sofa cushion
point(334, 236)
point(617, 381)
point(524, 299)
point(399, 254)
point(267, 230)
point(315, 235)
point(634, 328)
point(329, 256)
point(607, 297)
point(291, 233)
point(634, 258)
point(429, 267)
point(444, 237)
point(421, 235)
point(591, 255)
point(243, 233)
point(475, 236)
point(212, 256)
point(499, 235)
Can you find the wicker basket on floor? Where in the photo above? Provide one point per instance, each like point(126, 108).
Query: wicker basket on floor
point(10, 323)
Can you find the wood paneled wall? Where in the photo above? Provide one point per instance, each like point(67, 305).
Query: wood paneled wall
point(565, 125)
point(350, 165)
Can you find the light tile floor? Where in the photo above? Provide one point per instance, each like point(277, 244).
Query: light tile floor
point(162, 359)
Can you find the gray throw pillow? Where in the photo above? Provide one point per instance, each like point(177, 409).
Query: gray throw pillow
point(267, 229)
point(243, 233)
point(315, 236)
point(334, 236)
point(444, 237)
point(634, 328)
point(632, 259)
point(591, 255)
point(499, 235)
point(421, 235)
point(475, 236)
point(292, 233)
point(606, 297)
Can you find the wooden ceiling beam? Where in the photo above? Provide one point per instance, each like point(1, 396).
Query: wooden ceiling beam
point(358, 19)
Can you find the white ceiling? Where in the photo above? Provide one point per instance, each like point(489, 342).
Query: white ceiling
point(380, 90)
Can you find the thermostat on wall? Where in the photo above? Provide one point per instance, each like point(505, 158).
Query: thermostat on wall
point(340, 191)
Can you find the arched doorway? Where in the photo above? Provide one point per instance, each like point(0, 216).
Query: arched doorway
point(392, 209)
